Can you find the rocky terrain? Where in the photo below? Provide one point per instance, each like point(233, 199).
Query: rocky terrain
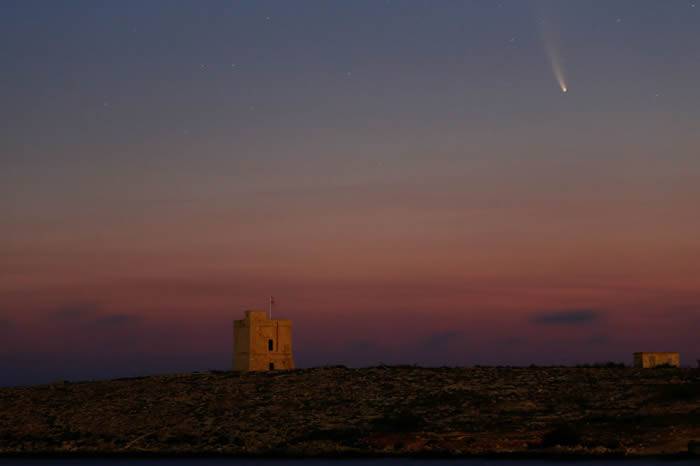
point(375, 411)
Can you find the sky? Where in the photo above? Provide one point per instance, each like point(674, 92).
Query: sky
point(416, 182)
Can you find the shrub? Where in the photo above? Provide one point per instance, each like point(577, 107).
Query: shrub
point(665, 366)
point(402, 421)
point(694, 447)
point(565, 435)
point(347, 434)
point(602, 365)
point(679, 392)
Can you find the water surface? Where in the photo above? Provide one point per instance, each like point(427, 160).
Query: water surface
point(332, 462)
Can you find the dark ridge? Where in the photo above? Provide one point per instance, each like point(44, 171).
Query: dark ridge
point(601, 411)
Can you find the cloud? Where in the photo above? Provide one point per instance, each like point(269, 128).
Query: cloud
point(88, 314)
point(598, 339)
point(570, 317)
point(439, 340)
point(5, 324)
point(73, 312)
point(114, 320)
point(513, 341)
point(364, 351)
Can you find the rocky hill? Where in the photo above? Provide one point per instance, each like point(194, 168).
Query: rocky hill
point(381, 410)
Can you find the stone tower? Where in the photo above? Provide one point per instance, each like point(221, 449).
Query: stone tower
point(649, 360)
point(262, 344)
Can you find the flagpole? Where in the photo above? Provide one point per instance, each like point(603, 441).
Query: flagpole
point(270, 312)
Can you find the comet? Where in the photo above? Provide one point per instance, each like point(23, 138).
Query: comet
point(550, 39)
point(557, 66)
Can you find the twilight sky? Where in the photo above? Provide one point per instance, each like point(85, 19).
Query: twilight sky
point(406, 177)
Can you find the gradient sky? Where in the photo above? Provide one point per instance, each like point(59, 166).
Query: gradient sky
point(406, 177)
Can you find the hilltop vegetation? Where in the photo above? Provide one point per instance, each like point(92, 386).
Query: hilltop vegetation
point(381, 410)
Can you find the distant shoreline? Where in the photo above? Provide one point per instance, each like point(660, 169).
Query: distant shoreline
point(545, 456)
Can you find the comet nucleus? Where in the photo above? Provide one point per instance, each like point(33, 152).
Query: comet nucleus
point(550, 38)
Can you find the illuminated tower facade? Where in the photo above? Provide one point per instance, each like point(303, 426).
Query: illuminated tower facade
point(261, 343)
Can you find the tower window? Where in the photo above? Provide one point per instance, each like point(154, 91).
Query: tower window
point(270, 345)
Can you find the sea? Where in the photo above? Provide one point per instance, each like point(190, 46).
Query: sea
point(336, 462)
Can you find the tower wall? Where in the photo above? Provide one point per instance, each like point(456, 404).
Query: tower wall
point(261, 344)
point(648, 360)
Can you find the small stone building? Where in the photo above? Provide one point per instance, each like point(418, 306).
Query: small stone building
point(262, 344)
point(648, 360)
